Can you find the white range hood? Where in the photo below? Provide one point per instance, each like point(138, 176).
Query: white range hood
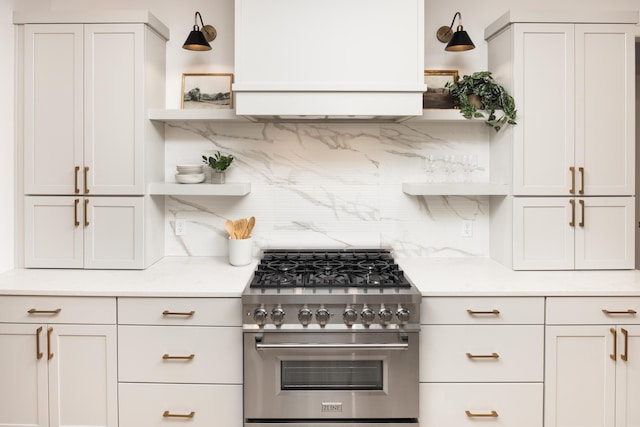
point(329, 59)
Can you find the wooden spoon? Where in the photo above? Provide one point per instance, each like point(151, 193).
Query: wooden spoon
point(229, 225)
point(240, 226)
point(250, 225)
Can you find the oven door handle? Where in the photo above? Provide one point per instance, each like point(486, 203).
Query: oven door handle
point(339, 346)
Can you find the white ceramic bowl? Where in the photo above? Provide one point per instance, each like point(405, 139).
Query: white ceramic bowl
point(189, 178)
point(189, 169)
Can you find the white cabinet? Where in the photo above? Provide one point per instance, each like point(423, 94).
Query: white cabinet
point(52, 358)
point(592, 353)
point(190, 367)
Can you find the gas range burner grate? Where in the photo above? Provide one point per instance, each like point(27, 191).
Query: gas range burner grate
point(363, 268)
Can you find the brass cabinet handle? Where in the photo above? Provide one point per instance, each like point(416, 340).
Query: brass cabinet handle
point(470, 414)
point(629, 312)
point(38, 352)
point(49, 353)
point(573, 213)
point(86, 218)
point(77, 190)
point(615, 344)
point(483, 356)
point(581, 223)
point(178, 313)
point(169, 357)
point(75, 212)
point(625, 334)
point(36, 311)
point(572, 190)
point(168, 414)
point(581, 170)
point(493, 312)
point(86, 174)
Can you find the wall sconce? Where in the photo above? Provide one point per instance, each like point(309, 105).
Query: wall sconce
point(458, 41)
point(199, 39)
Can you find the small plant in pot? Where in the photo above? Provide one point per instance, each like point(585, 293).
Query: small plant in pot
point(479, 92)
point(218, 164)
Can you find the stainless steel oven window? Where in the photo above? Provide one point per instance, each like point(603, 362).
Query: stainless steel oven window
point(331, 374)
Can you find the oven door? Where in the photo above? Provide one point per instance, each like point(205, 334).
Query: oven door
point(355, 376)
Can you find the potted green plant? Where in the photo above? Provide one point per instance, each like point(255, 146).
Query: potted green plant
point(480, 92)
point(218, 164)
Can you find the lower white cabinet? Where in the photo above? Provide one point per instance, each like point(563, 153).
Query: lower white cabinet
point(90, 232)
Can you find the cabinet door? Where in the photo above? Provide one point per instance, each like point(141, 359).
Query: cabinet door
point(114, 67)
point(543, 238)
point(53, 232)
point(605, 98)
point(543, 87)
point(83, 376)
point(628, 377)
point(113, 232)
point(579, 376)
point(53, 117)
point(23, 388)
point(605, 233)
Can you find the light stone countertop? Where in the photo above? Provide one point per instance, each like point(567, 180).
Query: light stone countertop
point(214, 277)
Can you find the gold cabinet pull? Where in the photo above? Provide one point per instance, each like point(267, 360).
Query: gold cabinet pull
point(77, 189)
point(572, 190)
point(75, 212)
point(168, 414)
point(581, 223)
point(49, 353)
point(178, 313)
point(470, 414)
point(493, 312)
point(581, 191)
point(86, 218)
point(625, 334)
point(86, 174)
point(573, 213)
point(38, 352)
point(36, 311)
point(169, 357)
point(629, 312)
point(483, 356)
point(615, 344)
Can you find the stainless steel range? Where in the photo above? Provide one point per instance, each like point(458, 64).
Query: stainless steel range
point(330, 339)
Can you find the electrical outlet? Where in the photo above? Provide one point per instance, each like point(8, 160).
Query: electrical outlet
point(467, 228)
point(181, 227)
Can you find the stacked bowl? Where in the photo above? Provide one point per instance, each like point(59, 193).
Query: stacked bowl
point(189, 174)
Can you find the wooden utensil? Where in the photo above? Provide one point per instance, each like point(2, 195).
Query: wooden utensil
point(229, 225)
point(250, 225)
point(240, 227)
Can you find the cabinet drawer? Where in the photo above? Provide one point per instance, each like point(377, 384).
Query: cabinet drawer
point(482, 310)
point(514, 404)
point(180, 354)
point(593, 310)
point(450, 353)
point(151, 405)
point(40, 309)
point(180, 311)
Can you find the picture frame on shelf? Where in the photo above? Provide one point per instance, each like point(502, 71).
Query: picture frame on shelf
point(206, 91)
point(437, 95)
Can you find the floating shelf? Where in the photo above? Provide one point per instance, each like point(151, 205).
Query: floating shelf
point(204, 115)
point(203, 189)
point(455, 189)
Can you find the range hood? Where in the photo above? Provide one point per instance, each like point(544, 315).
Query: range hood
point(331, 60)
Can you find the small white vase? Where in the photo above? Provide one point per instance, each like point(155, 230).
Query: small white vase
point(216, 177)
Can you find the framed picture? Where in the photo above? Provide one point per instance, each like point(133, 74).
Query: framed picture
point(437, 96)
point(206, 91)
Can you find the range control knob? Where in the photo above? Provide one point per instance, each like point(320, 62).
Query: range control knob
point(322, 316)
point(277, 316)
point(260, 316)
point(350, 316)
point(403, 315)
point(385, 316)
point(304, 316)
point(368, 316)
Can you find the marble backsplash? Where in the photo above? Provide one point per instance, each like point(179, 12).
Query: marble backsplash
point(329, 186)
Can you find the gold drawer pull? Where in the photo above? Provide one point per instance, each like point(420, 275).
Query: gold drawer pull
point(49, 353)
point(169, 357)
point(615, 344)
point(36, 311)
point(624, 356)
point(572, 190)
point(483, 356)
point(470, 414)
point(168, 414)
point(178, 313)
point(581, 170)
point(479, 313)
point(38, 352)
point(611, 313)
point(76, 190)
point(86, 173)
